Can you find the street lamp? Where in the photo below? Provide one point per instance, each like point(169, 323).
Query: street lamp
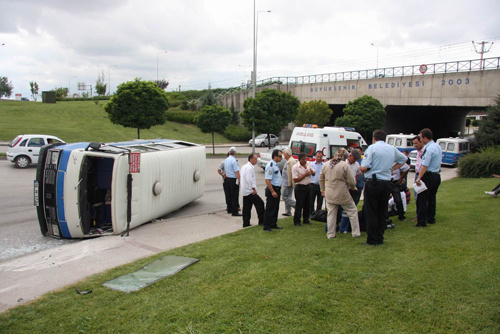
point(69, 84)
point(157, 63)
point(254, 72)
point(109, 78)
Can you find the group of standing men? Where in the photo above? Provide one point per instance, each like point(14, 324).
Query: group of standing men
point(381, 160)
point(337, 180)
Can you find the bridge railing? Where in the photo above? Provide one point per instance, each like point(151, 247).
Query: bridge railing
point(398, 71)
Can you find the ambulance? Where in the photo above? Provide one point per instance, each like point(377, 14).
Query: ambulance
point(93, 189)
point(404, 143)
point(310, 139)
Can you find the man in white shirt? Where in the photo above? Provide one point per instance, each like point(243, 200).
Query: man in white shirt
point(249, 192)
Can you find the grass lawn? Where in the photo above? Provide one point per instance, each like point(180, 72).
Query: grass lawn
point(442, 279)
point(85, 121)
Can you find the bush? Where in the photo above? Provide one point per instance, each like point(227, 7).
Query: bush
point(481, 164)
point(181, 117)
point(237, 133)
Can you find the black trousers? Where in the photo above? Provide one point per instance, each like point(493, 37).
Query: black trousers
point(248, 202)
point(227, 195)
point(375, 210)
point(302, 203)
point(426, 200)
point(234, 193)
point(396, 194)
point(315, 195)
point(272, 208)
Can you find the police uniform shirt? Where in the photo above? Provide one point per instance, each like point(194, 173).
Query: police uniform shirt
point(431, 158)
point(231, 166)
point(273, 173)
point(379, 158)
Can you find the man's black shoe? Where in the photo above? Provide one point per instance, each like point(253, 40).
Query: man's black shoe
point(420, 225)
point(237, 215)
point(277, 228)
point(286, 214)
point(246, 225)
point(367, 244)
point(297, 224)
point(431, 222)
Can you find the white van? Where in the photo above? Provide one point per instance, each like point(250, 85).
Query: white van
point(92, 189)
point(453, 149)
point(328, 140)
point(402, 142)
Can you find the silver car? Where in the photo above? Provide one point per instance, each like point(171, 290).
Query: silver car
point(24, 149)
point(262, 140)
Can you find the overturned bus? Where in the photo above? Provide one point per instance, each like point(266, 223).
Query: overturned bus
point(92, 189)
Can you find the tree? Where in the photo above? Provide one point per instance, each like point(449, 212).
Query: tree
point(270, 111)
point(138, 104)
point(34, 90)
point(488, 133)
point(5, 87)
point(60, 92)
point(314, 112)
point(162, 83)
point(213, 118)
point(100, 86)
point(365, 113)
point(208, 98)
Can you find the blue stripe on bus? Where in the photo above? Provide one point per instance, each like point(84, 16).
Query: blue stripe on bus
point(60, 204)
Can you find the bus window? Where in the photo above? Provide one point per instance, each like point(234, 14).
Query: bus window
point(391, 141)
point(451, 147)
point(443, 146)
point(409, 143)
point(398, 142)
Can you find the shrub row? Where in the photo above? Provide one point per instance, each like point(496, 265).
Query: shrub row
point(95, 98)
point(237, 133)
point(181, 117)
point(481, 164)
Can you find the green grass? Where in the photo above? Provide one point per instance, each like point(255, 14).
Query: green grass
point(85, 121)
point(443, 279)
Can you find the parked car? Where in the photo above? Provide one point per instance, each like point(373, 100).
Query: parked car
point(413, 159)
point(262, 140)
point(25, 149)
point(265, 157)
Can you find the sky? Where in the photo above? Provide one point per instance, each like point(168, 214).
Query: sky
point(194, 43)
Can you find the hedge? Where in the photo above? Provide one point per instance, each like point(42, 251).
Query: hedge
point(481, 164)
point(237, 133)
point(181, 117)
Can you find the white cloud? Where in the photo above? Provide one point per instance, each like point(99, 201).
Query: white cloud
point(52, 41)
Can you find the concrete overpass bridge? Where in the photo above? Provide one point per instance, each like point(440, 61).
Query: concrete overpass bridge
point(438, 96)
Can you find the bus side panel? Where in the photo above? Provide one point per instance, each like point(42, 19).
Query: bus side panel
point(174, 170)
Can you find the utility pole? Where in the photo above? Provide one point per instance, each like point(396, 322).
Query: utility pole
point(482, 51)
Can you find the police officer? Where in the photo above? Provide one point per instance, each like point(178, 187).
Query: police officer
point(273, 192)
point(379, 162)
point(232, 170)
point(429, 173)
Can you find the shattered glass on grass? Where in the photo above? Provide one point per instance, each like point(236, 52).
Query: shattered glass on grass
point(155, 271)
